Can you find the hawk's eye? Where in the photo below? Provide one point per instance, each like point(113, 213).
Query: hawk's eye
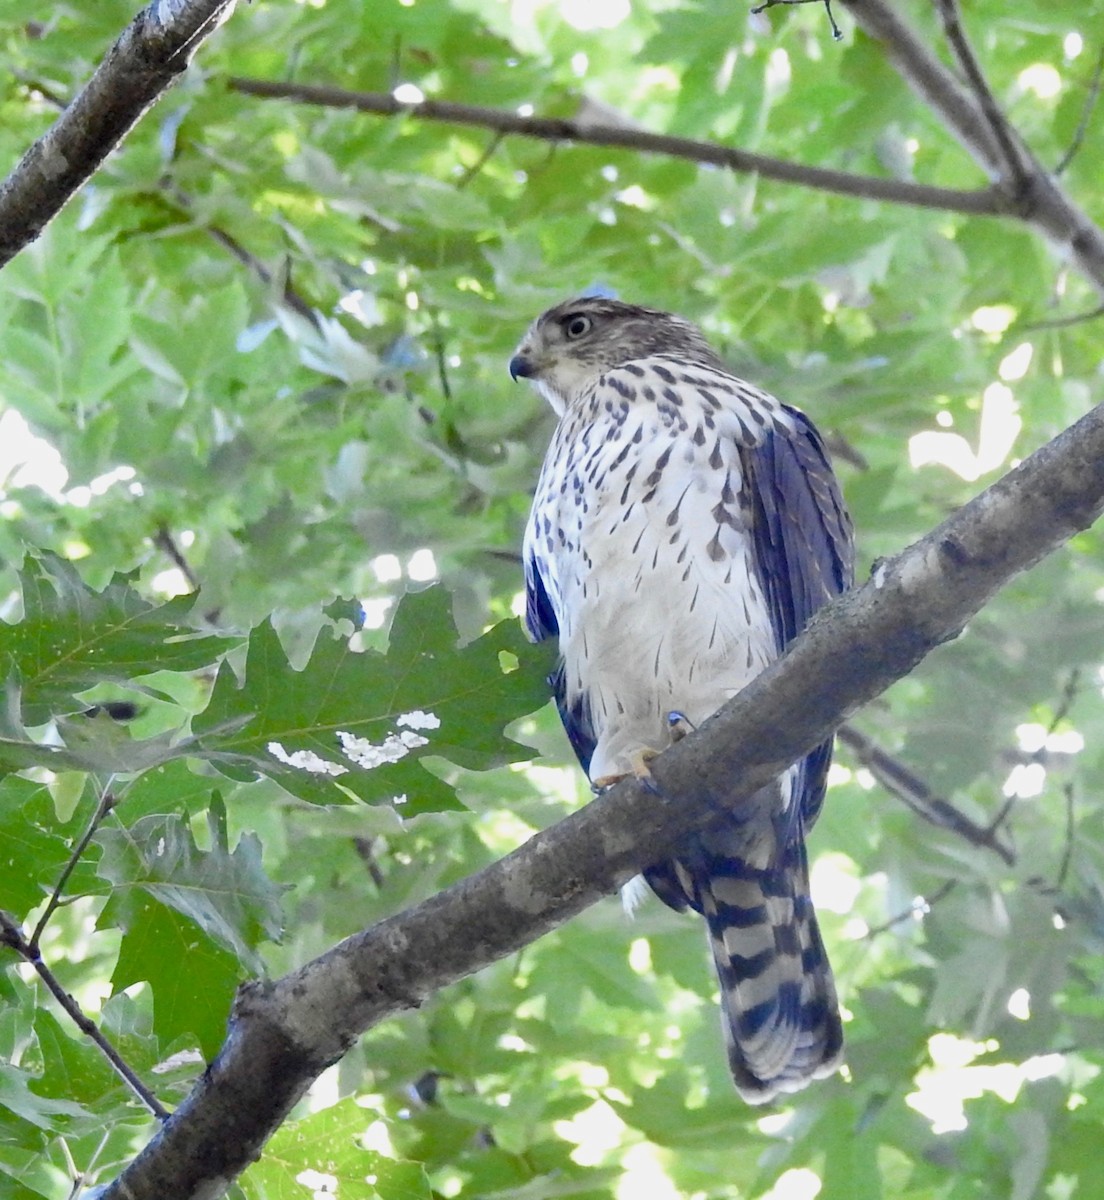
point(578, 325)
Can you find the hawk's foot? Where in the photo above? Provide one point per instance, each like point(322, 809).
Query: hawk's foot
point(638, 768)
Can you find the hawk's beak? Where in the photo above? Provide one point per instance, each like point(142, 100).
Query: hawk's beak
point(522, 367)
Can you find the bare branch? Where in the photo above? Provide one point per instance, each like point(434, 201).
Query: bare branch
point(1086, 116)
point(1005, 137)
point(920, 907)
point(152, 51)
point(915, 794)
point(1071, 829)
point(164, 541)
point(556, 129)
point(836, 32)
point(1041, 201)
point(1064, 322)
point(284, 1033)
point(12, 937)
point(103, 806)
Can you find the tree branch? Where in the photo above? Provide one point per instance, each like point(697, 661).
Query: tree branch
point(284, 1033)
point(1007, 140)
point(12, 937)
point(915, 794)
point(151, 52)
point(103, 806)
point(985, 202)
point(1036, 197)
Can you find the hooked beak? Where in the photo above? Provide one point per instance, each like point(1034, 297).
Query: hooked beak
point(522, 367)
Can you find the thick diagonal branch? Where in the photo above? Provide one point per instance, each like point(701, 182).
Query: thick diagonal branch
point(283, 1034)
point(152, 51)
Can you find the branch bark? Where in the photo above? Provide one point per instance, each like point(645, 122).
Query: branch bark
point(284, 1033)
point(149, 55)
point(979, 202)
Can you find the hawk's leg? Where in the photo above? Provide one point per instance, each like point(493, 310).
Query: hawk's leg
point(679, 724)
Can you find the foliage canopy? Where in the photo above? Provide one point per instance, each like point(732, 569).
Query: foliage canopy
point(263, 353)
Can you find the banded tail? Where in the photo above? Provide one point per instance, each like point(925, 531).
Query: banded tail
point(778, 998)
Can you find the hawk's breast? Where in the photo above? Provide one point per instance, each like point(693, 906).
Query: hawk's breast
point(640, 529)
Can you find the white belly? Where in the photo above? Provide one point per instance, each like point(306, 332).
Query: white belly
point(648, 561)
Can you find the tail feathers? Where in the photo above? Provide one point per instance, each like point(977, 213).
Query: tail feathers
point(778, 999)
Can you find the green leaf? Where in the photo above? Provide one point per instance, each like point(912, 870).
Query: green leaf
point(328, 1145)
point(225, 893)
point(72, 637)
point(423, 697)
point(193, 979)
point(35, 847)
point(73, 1068)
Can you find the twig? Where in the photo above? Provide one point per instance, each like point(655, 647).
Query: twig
point(996, 120)
point(1067, 851)
point(471, 172)
point(1065, 702)
point(922, 905)
point(1086, 115)
point(442, 364)
point(1063, 322)
point(103, 806)
point(12, 936)
point(982, 201)
point(164, 540)
point(837, 34)
point(915, 794)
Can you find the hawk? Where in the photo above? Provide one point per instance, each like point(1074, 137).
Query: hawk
point(685, 528)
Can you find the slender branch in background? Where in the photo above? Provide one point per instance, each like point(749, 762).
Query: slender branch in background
point(442, 361)
point(1043, 205)
point(12, 936)
point(1011, 151)
point(1063, 322)
point(103, 806)
point(837, 33)
point(471, 172)
point(1042, 754)
point(1003, 813)
point(841, 449)
point(915, 794)
point(1071, 828)
point(920, 907)
point(287, 293)
point(366, 848)
point(165, 542)
point(1086, 115)
point(146, 60)
point(1070, 692)
point(983, 201)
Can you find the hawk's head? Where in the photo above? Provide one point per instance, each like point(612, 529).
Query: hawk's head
point(570, 345)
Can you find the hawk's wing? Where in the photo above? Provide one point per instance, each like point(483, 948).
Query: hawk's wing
point(803, 549)
point(541, 623)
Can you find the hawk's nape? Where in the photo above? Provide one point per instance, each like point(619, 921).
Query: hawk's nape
point(685, 528)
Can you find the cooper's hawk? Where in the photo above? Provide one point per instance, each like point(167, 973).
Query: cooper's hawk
point(685, 528)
